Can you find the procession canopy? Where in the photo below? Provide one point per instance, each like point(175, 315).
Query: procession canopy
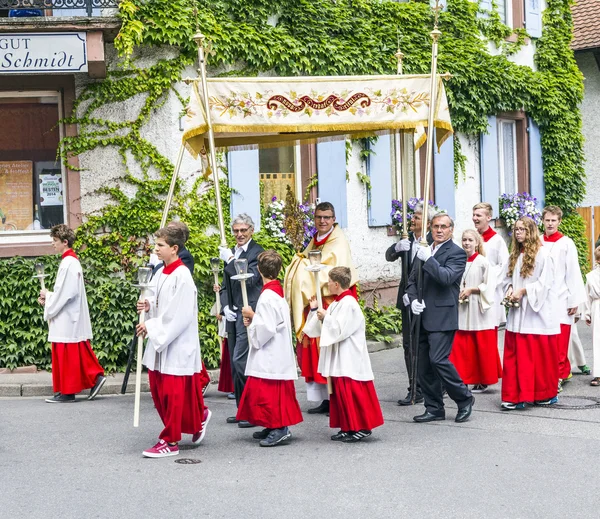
point(268, 111)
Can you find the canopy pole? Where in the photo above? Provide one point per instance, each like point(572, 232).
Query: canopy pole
point(435, 34)
point(163, 220)
point(401, 171)
point(199, 38)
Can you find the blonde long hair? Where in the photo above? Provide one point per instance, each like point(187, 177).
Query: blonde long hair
point(529, 247)
point(478, 240)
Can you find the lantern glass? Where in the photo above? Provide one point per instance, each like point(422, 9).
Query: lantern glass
point(144, 275)
point(39, 269)
point(241, 266)
point(314, 257)
point(215, 264)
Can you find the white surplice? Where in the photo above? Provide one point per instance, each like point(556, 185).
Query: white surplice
point(479, 313)
point(496, 253)
point(591, 311)
point(568, 283)
point(173, 345)
point(537, 313)
point(271, 353)
point(343, 343)
point(66, 308)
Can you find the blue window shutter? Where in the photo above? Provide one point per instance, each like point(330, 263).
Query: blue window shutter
point(331, 172)
point(485, 5)
point(244, 180)
point(488, 163)
point(536, 165)
point(379, 169)
point(533, 18)
point(443, 169)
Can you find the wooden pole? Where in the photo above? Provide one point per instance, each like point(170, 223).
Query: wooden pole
point(163, 220)
point(138, 368)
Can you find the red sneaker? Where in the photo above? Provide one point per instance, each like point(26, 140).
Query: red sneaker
point(161, 450)
point(199, 436)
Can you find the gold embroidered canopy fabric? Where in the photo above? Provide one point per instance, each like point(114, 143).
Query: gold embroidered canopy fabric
point(272, 111)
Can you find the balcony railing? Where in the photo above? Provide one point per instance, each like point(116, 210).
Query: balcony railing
point(13, 6)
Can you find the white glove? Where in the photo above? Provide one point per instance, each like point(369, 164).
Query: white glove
point(406, 300)
point(403, 245)
point(225, 254)
point(417, 307)
point(230, 315)
point(424, 253)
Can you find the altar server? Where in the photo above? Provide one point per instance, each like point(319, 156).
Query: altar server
point(568, 284)
point(269, 397)
point(74, 364)
point(172, 354)
point(530, 344)
point(344, 359)
point(475, 347)
point(591, 313)
point(496, 252)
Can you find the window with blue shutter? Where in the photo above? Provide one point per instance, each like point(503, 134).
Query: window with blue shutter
point(536, 165)
point(380, 170)
point(533, 18)
point(488, 163)
point(331, 173)
point(443, 170)
point(244, 180)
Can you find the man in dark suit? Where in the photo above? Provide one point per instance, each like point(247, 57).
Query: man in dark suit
point(406, 250)
point(232, 303)
point(443, 266)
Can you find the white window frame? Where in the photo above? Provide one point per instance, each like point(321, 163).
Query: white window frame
point(30, 235)
point(501, 175)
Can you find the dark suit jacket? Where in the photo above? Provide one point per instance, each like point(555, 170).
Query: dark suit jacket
point(392, 255)
point(441, 285)
point(231, 290)
point(185, 256)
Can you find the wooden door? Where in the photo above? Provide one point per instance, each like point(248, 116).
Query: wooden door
point(589, 214)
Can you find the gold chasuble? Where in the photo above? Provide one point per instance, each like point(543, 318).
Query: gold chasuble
point(299, 285)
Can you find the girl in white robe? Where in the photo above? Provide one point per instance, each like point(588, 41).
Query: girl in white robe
point(269, 397)
point(75, 367)
point(344, 361)
point(591, 313)
point(475, 348)
point(532, 328)
point(172, 354)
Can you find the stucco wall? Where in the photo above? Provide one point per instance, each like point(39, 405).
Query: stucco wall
point(590, 109)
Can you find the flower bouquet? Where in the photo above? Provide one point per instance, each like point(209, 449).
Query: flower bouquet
point(516, 205)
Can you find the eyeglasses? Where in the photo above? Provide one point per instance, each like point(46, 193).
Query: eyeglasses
point(240, 231)
point(326, 218)
point(442, 227)
point(520, 229)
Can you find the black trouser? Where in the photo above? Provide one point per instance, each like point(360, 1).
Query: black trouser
point(237, 342)
point(436, 369)
point(406, 316)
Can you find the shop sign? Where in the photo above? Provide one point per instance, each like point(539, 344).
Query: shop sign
point(37, 53)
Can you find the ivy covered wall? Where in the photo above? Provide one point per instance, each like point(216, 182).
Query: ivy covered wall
point(285, 37)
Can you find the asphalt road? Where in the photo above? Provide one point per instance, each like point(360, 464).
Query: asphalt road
point(84, 460)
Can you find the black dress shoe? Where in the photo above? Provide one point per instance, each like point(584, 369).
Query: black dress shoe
point(322, 408)
point(243, 424)
point(464, 412)
point(232, 419)
point(428, 417)
point(261, 435)
point(407, 399)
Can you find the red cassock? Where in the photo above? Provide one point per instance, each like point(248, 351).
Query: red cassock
point(74, 367)
point(475, 356)
point(269, 403)
point(530, 367)
point(179, 403)
point(353, 405)
point(225, 379)
point(564, 366)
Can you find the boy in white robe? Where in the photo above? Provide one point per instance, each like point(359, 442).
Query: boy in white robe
point(344, 360)
point(172, 354)
point(269, 397)
point(74, 364)
point(591, 313)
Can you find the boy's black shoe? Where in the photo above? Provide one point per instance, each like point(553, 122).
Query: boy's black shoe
point(61, 399)
point(354, 437)
point(276, 436)
point(407, 399)
point(261, 435)
point(100, 381)
point(339, 436)
point(322, 408)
